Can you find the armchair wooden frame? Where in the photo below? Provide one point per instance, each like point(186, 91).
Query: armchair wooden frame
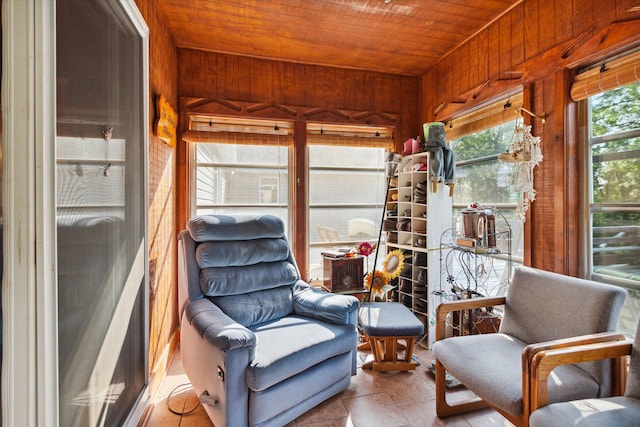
point(545, 361)
point(539, 357)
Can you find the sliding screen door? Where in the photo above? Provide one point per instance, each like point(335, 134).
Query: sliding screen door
point(101, 211)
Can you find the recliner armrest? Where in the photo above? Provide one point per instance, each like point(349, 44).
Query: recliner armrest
point(217, 328)
point(333, 308)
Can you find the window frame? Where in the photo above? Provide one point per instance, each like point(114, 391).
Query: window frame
point(476, 121)
point(376, 205)
point(254, 133)
point(588, 207)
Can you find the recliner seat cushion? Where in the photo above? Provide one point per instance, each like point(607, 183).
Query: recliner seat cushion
point(291, 345)
point(491, 366)
point(329, 377)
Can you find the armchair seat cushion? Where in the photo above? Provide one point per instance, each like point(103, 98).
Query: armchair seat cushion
point(491, 366)
point(291, 345)
point(603, 412)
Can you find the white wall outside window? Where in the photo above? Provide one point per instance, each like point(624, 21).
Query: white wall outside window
point(237, 178)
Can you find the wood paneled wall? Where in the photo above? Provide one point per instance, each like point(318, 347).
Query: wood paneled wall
point(536, 47)
point(236, 78)
point(163, 305)
point(249, 80)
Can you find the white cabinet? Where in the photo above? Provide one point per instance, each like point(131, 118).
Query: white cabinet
point(416, 217)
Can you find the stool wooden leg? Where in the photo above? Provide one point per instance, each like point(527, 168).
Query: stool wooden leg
point(366, 343)
point(385, 353)
point(378, 348)
point(408, 352)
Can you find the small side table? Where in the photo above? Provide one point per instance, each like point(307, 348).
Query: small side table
point(384, 325)
point(343, 274)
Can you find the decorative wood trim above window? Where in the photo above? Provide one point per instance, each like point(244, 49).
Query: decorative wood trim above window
point(275, 111)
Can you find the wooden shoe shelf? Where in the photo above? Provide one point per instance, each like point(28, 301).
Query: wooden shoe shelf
point(416, 218)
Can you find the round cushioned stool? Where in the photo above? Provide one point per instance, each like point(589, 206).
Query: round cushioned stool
point(384, 324)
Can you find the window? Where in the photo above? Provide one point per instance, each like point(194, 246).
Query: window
point(612, 180)
point(242, 167)
point(346, 189)
point(477, 140)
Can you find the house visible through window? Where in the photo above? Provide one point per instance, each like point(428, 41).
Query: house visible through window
point(242, 168)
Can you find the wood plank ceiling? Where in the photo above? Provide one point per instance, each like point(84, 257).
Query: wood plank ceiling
point(399, 36)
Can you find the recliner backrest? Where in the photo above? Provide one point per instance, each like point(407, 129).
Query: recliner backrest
point(245, 265)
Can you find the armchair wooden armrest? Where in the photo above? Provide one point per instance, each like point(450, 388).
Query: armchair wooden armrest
point(608, 345)
point(464, 304)
point(532, 349)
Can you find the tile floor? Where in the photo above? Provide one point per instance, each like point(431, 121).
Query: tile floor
point(374, 399)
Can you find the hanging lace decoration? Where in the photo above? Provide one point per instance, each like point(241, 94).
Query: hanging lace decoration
point(525, 153)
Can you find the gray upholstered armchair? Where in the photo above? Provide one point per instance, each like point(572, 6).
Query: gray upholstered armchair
point(620, 410)
point(259, 345)
point(542, 311)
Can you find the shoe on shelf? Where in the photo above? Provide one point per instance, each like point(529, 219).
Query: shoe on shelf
point(420, 259)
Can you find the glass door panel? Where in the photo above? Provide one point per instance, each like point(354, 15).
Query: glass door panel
point(101, 214)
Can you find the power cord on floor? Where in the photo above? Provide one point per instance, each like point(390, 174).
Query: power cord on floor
point(179, 389)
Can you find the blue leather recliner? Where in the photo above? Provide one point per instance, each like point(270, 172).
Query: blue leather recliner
point(259, 345)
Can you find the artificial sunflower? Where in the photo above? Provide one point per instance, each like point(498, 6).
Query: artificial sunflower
point(378, 278)
point(393, 264)
point(379, 287)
